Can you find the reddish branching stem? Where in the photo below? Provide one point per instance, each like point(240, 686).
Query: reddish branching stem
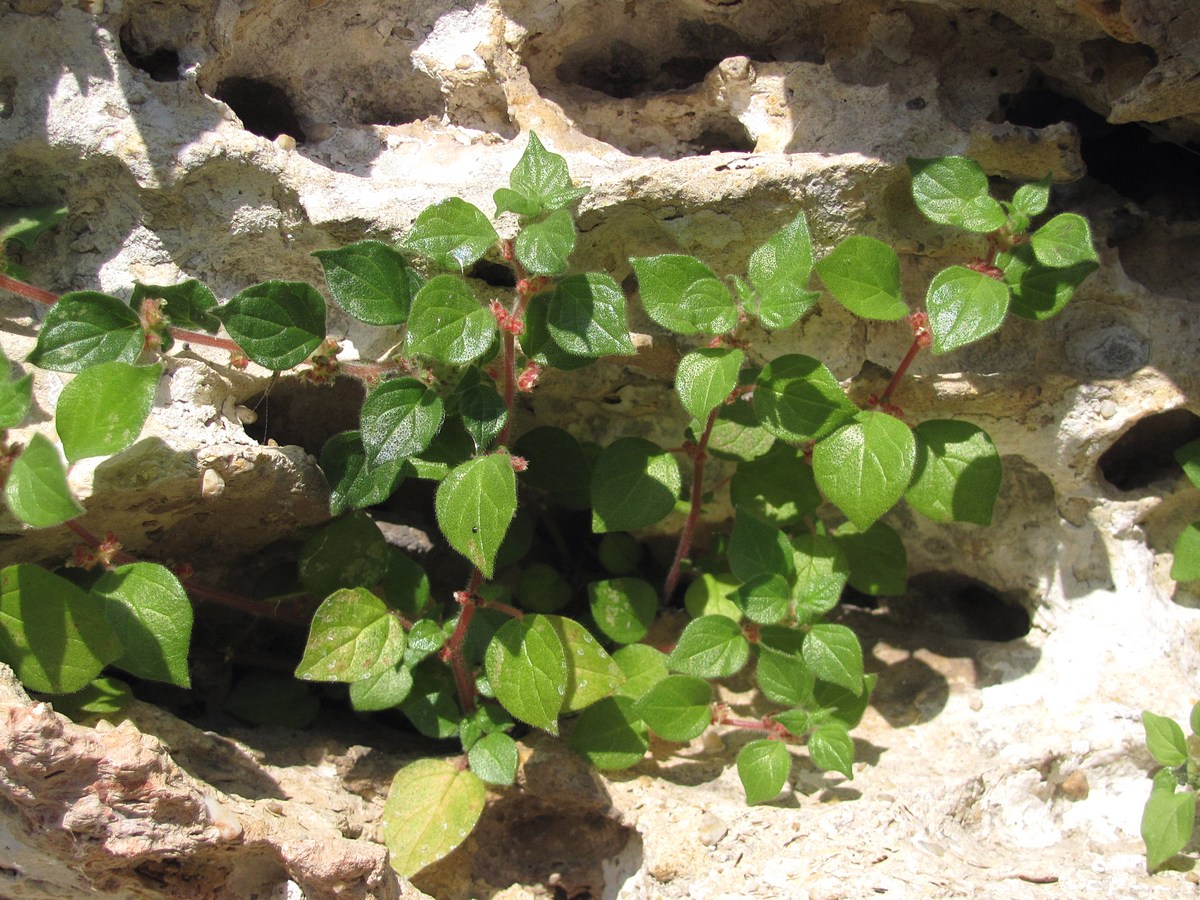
point(452, 653)
point(699, 455)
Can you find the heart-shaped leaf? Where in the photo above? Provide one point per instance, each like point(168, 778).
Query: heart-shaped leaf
point(447, 322)
point(475, 504)
point(399, 419)
point(452, 234)
point(710, 647)
point(763, 768)
point(953, 190)
point(865, 466)
point(36, 491)
point(432, 806)
point(527, 668)
point(151, 615)
point(371, 281)
point(964, 306)
point(798, 399)
point(102, 410)
point(682, 294)
point(635, 484)
point(780, 269)
point(278, 324)
point(85, 328)
point(956, 477)
point(863, 274)
point(706, 377)
point(353, 636)
point(544, 247)
point(586, 316)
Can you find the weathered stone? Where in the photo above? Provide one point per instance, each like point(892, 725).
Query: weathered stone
point(227, 141)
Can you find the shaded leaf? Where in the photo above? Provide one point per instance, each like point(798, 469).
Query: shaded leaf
point(151, 615)
point(103, 408)
point(527, 668)
point(353, 636)
point(371, 281)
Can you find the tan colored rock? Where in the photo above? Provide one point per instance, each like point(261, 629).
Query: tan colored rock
point(227, 141)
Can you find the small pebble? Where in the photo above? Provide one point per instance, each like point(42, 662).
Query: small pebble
point(711, 830)
point(1075, 786)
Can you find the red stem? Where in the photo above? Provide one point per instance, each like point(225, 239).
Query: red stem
point(452, 651)
point(900, 371)
point(203, 591)
point(689, 527)
point(27, 290)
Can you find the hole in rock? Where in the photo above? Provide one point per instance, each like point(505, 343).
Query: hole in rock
point(1146, 452)
point(954, 605)
point(493, 273)
point(160, 63)
point(724, 137)
point(264, 108)
point(296, 411)
point(1130, 159)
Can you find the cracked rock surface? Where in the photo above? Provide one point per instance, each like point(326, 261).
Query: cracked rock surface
point(226, 141)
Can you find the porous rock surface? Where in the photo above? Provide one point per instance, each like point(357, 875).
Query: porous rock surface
point(227, 140)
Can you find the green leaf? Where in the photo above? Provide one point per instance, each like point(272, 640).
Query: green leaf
point(1194, 719)
point(371, 281)
point(481, 408)
point(1066, 240)
point(544, 247)
point(797, 399)
point(53, 635)
point(1186, 566)
point(1188, 457)
point(540, 180)
point(953, 190)
point(539, 345)
point(425, 639)
point(1165, 740)
point(351, 484)
point(399, 419)
point(783, 677)
point(346, 553)
point(405, 584)
point(14, 396)
point(832, 749)
point(23, 224)
point(386, 688)
point(102, 697)
point(845, 705)
point(353, 636)
point(591, 673)
point(102, 410)
point(705, 379)
point(643, 667)
point(678, 708)
point(780, 269)
point(450, 447)
point(834, 655)
point(763, 768)
point(609, 735)
point(272, 698)
point(711, 595)
point(527, 668)
point(277, 323)
point(619, 553)
point(494, 758)
point(766, 599)
point(682, 294)
point(876, 557)
point(189, 304)
point(821, 573)
point(1040, 292)
point(710, 647)
point(1031, 199)
point(432, 806)
point(964, 306)
point(865, 466)
point(1167, 824)
point(432, 704)
point(151, 615)
point(37, 491)
point(758, 548)
point(635, 484)
point(586, 316)
point(542, 589)
point(737, 433)
point(796, 721)
point(475, 504)
point(85, 328)
point(623, 608)
point(957, 473)
point(777, 486)
point(452, 234)
point(863, 274)
point(557, 465)
point(447, 323)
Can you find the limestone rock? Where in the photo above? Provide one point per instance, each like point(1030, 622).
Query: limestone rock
point(228, 140)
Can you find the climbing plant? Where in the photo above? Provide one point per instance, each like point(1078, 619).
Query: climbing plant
point(554, 639)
